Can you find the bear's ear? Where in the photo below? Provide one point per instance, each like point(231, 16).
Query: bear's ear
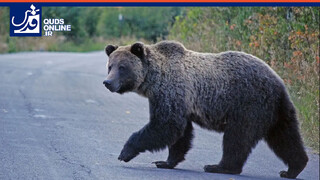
point(110, 48)
point(138, 49)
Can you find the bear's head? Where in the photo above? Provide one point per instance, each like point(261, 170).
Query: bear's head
point(125, 67)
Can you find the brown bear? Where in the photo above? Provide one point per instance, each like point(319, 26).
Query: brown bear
point(231, 92)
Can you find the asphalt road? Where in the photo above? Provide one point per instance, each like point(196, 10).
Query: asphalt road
point(58, 121)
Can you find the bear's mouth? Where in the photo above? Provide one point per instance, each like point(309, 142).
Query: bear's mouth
point(125, 87)
point(113, 88)
point(116, 89)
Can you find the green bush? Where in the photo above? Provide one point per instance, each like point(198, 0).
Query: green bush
point(150, 23)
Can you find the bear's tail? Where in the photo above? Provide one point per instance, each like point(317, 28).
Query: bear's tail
point(285, 140)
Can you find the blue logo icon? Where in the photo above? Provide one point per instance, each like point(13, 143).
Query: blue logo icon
point(25, 20)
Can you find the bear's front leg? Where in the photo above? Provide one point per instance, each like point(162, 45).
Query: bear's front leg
point(167, 125)
point(153, 137)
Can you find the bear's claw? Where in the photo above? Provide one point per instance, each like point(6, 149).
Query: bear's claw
point(127, 154)
point(284, 174)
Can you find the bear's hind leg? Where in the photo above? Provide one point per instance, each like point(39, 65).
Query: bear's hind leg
point(284, 139)
point(237, 145)
point(178, 150)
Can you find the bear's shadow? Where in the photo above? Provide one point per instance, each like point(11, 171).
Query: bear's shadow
point(198, 173)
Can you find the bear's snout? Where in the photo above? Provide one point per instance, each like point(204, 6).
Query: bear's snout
point(110, 85)
point(107, 82)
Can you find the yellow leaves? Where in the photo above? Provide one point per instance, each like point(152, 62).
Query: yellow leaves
point(253, 38)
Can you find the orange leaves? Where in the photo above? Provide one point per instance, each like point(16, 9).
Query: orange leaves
point(297, 53)
point(238, 43)
point(248, 21)
point(302, 36)
point(301, 77)
point(287, 81)
point(273, 63)
point(254, 44)
point(232, 26)
point(287, 65)
point(290, 37)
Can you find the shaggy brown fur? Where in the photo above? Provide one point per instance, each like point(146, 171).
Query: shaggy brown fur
point(230, 92)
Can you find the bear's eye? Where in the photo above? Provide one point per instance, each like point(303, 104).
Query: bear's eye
point(121, 68)
point(109, 68)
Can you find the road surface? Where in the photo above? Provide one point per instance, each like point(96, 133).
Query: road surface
point(58, 121)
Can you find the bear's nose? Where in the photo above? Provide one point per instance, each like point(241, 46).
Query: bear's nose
point(107, 82)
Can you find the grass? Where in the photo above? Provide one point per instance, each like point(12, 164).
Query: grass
point(74, 47)
point(307, 104)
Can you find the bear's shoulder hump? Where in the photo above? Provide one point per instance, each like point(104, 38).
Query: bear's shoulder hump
point(170, 47)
